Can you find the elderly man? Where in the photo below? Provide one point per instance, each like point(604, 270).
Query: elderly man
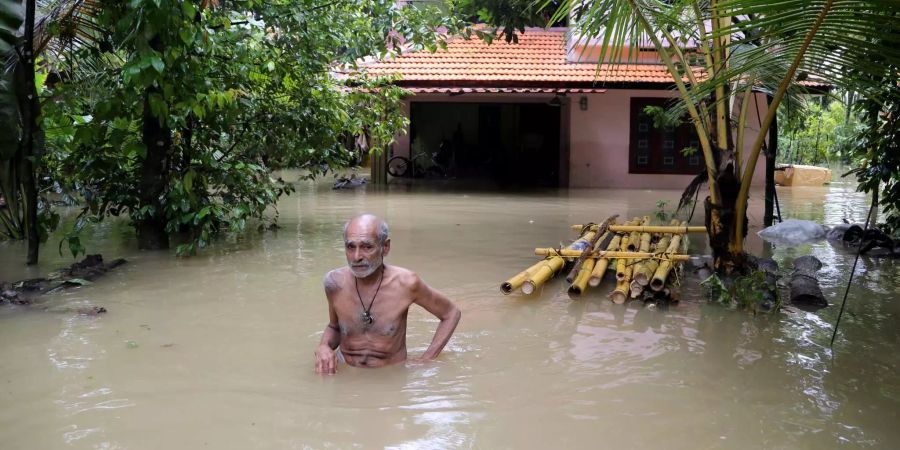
point(368, 303)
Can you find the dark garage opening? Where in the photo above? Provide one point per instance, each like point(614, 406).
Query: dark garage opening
point(509, 143)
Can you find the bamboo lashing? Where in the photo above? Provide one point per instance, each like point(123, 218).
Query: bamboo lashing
point(634, 239)
point(579, 285)
point(603, 262)
point(600, 233)
point(652, 229)
point(617, 254)
point(643, 274)
point(553, 264)
point(649, 266)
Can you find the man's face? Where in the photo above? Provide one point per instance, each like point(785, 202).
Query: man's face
point(364, 253)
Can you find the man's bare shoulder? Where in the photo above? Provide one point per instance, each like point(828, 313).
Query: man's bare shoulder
point(334, 279)
point(405, 278)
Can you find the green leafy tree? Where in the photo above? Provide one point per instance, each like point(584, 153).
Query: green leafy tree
point(199, 100)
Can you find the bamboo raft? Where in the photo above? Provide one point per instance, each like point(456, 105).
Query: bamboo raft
point(641, 255)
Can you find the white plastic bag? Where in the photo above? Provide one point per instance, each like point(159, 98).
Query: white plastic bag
point(793, 232)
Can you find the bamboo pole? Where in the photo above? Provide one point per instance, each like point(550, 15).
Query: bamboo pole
point(510, 285)
point(622, 262)
point(662, 272)
point(640, 265)
point(652, 229)
point(579, 285)
point(547, 269)
point(612, 254)
point(555, 262)
point(600, 234)
point(646, 271)
point(634, 239)
point(649, 268)
point(603, 262)
point(620, 293)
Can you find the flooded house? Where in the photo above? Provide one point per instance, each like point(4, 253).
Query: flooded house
point(540, 112)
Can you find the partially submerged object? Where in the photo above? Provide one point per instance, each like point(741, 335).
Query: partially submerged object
point(639, 253)
point(793, 232)
point(349, 182)
point(805, 290)
point(799, 175)
point(81, 273)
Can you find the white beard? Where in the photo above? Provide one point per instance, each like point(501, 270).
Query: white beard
point(360, 272)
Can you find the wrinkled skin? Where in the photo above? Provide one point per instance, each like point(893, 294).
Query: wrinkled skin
point(383, 342)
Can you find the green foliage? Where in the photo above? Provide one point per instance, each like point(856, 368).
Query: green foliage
point(811, 134)
point(744, 292)
point(509, 16)
point(239, 90)
point(11, 15)
point(660, 214)
point(879, 159)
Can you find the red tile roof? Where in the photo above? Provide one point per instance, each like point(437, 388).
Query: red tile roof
point(538, 59)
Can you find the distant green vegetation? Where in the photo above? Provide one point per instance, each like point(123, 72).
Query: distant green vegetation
point(810, 133)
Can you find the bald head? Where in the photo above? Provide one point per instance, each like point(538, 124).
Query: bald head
point(367, 224)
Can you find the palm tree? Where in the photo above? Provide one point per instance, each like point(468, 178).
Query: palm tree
point(744, 47)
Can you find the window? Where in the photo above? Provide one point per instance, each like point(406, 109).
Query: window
point(659, 150)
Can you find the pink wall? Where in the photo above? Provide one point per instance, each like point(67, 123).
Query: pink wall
point(598, 137)
point(600, 143)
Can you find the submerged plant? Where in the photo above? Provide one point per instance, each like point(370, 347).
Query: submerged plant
point(661, 214)
point(751, 292)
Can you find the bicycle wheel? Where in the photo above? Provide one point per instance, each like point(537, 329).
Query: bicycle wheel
point(398, 166)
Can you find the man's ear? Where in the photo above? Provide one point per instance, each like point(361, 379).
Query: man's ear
point(386, 248)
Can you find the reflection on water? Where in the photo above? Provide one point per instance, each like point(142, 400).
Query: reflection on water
point(216, 351)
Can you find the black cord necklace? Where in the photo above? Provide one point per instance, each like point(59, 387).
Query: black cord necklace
point(366, 315)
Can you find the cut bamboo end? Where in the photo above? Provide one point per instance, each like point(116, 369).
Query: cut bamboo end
point(598, 272)
point(648, 268)
point(659, 277)
point(579, 285)
point(620, 294)
point(528, 287)
point(636, 289)
point(510, 285)
point(544, 272)
point(574, 292)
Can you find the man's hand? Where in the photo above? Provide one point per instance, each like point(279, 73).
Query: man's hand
point(326, 360)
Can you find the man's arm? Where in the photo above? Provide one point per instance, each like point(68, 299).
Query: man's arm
point(442, 308)
point(326, 359)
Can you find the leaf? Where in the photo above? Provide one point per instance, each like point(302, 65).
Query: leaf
point(78, 282)
point(157, 63)
point(10, 20)
point(188, 180)
point(187, 36)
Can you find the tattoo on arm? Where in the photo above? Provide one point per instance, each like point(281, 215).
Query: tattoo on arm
point(331, 285)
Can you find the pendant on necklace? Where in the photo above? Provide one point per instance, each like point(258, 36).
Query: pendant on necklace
point(367, 318)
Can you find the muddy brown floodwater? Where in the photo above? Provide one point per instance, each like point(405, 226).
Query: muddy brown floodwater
point(216, 351)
